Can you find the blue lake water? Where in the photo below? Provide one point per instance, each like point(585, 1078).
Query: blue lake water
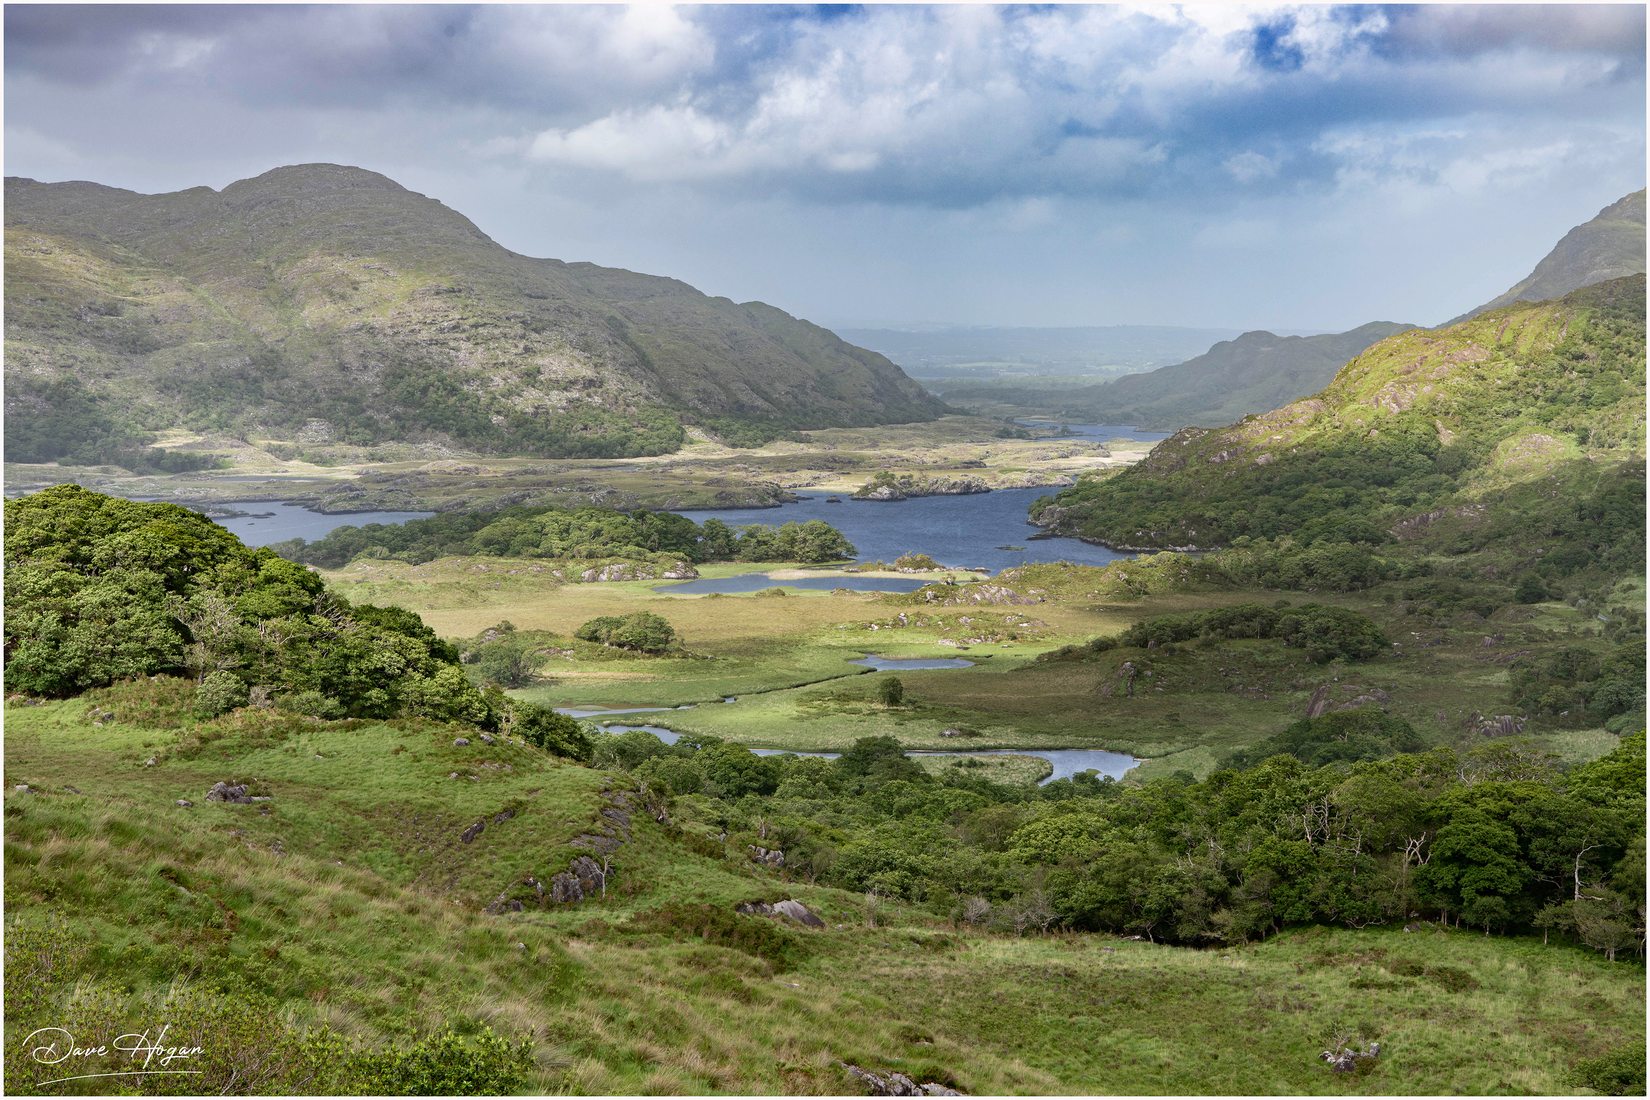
point(957, 531)
point(267, 522)
point(756, 582)
point(910, 664)
point(1066, 762)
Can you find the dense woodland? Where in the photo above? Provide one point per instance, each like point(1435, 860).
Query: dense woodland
point(573, 534)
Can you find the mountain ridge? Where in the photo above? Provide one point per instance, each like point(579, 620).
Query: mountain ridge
point(1608, 246)
point(334, 294)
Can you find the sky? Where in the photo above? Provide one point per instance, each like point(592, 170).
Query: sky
point(1305, 168)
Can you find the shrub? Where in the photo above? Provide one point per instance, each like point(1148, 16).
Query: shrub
point(219, 693)
point(891, 691)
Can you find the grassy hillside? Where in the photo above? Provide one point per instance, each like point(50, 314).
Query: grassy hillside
point(1610, 246)
point(332, 302)
point(350, 902)
point(1425, 428)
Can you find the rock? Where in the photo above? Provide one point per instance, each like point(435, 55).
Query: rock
point(185, 803)
point(790, 909)
point(21, 788)
point(225, 792)
point(680, 571)
point(149, 763)
point(896, 1084)
point(1345, 1059)
point(502, 816)
point(798, 912)
point(773, 857)
point(460, 741)
point(486, 738)
point(583, 878)
point(472, 832)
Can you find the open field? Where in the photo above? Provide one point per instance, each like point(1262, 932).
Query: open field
point(350, 899)
point(787, 657)
point(703, 474)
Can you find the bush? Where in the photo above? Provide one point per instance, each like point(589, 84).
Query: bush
point(219, 693)
point(643, 632)
point(756, 936)
point(1617, 1073)
point(891, 691)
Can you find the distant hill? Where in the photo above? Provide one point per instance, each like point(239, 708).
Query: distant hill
point(1256, 372)
point(330, 303)
point(1608, 247)
point(1536, 408)
point(958, 351)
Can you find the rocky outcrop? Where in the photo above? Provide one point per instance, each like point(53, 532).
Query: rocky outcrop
point(226, 792)
point(586, 876)
point(1323, 700)
point(1345, 1059)
point(905, 486)
point(896, 1084)
point(772, 857)
point(639, 571)
point(790, 909)
point(979, 593)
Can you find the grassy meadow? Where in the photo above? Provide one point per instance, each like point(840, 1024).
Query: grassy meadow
point(350, 899)
point(787, 657)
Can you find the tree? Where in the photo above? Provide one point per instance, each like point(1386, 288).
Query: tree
point(891, 691)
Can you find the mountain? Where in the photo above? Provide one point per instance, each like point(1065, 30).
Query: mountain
point(983, 350)
point(1608, 247)
point(330, 302)
point(1255, 372)
point(1525, 424)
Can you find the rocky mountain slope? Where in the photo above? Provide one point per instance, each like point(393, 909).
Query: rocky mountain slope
point(328, 302)
point(1608, 247)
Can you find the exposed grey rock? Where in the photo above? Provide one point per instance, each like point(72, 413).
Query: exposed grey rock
point(472, 832)
point(896, 1084)
point(583, 878)
point(502, 816)
point(458, 741)
point(486, 738)
point(790, 908)
point(225, 792)
point(185, 803)
point(1345, 1058)
point(773, 857)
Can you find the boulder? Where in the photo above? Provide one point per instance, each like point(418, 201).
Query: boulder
point(472, 832)
point(790, 909)
point(225, 792)
point(459, 742)
point(772, 857)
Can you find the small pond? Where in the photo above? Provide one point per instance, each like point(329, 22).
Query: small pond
point(910, 664)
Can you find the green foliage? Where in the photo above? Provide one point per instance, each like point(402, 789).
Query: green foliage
point(219, 693)
point(1377, 447)
point(448, 1064)
point(100, 590)
point(641, 631)
point(574, 534)
point(1620, 1072)
point(1578, 686)
point(58, 420)
point(1364, 733)
point(1326, 633)
point(890, 691)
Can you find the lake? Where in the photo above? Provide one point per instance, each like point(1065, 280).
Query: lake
point(267, 522)
point(1066, 762)
point(973, 530)
point(756, 582)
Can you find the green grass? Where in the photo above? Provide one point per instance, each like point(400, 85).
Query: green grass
point(352, 901)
